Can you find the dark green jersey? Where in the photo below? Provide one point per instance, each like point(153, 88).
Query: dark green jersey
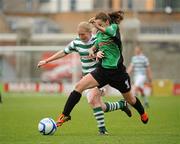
point(110, 45)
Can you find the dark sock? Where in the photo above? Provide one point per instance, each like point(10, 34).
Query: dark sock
point(72, 100)
point(138, 106)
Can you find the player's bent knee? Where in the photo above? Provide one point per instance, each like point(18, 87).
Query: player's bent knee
point(131, 100)
point(94, 103)
point(79, 87)
point(91, 103)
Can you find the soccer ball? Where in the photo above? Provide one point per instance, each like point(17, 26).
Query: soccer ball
point(47, 126)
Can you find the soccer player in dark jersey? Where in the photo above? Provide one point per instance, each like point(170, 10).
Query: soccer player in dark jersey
point(110, 69)
point(81, 44)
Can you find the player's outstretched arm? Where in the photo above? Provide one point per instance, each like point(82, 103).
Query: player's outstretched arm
point(149, 74)
point(56, 56)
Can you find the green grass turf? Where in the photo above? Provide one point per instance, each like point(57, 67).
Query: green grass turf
point(20, 114)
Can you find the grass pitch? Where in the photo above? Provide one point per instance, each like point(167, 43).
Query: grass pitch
point(20, 114)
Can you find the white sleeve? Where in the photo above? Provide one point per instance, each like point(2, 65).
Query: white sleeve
point(70, 48)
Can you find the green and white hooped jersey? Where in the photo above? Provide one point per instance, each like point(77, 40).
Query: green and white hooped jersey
point(88, 64)
point(140, 63)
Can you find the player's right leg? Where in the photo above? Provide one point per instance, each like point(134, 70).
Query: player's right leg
point(117, 105)
point(85, 83)
point(110, 106)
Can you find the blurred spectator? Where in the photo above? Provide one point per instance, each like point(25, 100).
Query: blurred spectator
point(140, 67)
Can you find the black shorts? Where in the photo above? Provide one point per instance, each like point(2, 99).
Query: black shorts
point(117, 79)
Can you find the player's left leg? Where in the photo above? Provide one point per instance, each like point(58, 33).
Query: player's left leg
point(93, 97)
point(85, 83)
point(135, 102)
point(122, 83)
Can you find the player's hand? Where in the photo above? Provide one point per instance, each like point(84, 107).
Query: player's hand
point(100, 54)
point(150, 82)
point(92, 20)
point(91, 52)
point(41, 63)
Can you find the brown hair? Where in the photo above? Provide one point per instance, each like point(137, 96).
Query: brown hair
point(114, 17)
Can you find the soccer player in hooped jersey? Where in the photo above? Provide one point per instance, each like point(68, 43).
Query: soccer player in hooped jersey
point(81, 45)
point(110, 69)
point(141, 69)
